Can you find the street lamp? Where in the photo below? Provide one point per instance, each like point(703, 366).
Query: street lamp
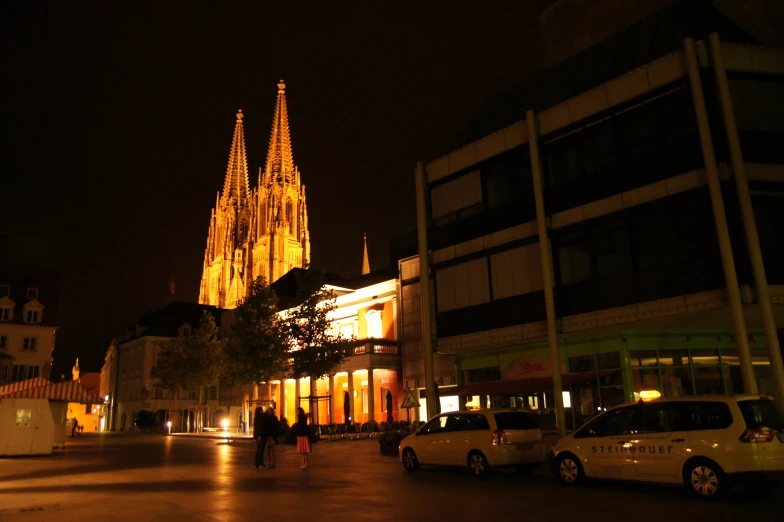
point(168, 425)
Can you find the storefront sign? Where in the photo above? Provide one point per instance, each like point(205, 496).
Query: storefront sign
point(528, 368)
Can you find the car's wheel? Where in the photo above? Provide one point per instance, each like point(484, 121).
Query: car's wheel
point(477, 463)
point(410, 461)
point(568, 469)
point(705, 478)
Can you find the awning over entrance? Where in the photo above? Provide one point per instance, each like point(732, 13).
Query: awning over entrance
point(23, 385)
point(525, 386)
point(70, 391)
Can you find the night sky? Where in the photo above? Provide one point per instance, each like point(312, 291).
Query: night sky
point(117, 125)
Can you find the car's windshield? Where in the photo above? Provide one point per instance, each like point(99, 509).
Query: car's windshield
point(761, 414)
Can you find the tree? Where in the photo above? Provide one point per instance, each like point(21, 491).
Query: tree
point(255, 349)
point(315, 349)
point(191, 360)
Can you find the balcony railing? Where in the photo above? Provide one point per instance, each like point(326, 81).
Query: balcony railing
point(374, 347)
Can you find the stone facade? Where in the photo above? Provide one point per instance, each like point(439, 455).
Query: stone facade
point(261, 231)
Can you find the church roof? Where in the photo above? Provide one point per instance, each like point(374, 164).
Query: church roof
point(236, 186)
point(634, 47)
point(280, 158)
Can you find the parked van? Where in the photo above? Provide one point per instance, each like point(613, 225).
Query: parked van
point(479, 439)
point(707, 442)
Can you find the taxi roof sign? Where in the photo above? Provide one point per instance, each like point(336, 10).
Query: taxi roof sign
point(410, 401)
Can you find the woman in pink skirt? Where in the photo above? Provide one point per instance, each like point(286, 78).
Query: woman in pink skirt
point(303, 436)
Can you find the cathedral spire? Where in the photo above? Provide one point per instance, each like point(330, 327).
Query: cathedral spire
point(365, 259)
point(280, 160)
point(236, 186)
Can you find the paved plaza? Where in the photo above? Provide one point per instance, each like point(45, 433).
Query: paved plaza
point(107, 477)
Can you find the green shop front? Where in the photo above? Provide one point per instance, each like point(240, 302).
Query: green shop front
point(602, 371)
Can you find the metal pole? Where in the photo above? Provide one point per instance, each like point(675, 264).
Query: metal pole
point(547, 274)
point(424, 282)
point(722, 232)
point(749, 224)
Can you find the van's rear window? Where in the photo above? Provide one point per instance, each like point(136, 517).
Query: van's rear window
point(514, 420)
point(761, 414)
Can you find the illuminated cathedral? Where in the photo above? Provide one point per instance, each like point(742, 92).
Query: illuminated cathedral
point(261, 231)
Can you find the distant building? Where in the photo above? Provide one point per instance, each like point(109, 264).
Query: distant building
point(89, 416)
point(28, 324)
point(366, 310)
point(641, 296)
point(261, 231)
point(126, 377)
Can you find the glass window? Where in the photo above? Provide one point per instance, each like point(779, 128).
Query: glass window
point(704, 357)
point(761, 414)
point(515, 421)
point(575, 264)
point(468, 422)
point(437, 425)
point(619, 422)
point(23, 417)
point(640, 358)
point(646, 380)
point(652, 419)
point(583, 363)
point(676, 381)
point(613, 251)
point(708, 415)
point(674, 357)
point(708, 380)
point(608, 361)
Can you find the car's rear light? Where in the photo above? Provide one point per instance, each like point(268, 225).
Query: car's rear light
point(757, 435)
point(499, 437)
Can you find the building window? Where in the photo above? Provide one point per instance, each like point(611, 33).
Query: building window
point(32, 372)
point(516, 271)
point(3, 341)
point(32, 316)
point(463, 285)
point(449, 199)
point(32, 293)
point(29, 344)
point(3, 373)
point(5, 314)
point(374, 325)
point(5, 291)
point(22, 372)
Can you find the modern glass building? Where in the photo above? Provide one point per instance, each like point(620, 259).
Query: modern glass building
point(647, 295)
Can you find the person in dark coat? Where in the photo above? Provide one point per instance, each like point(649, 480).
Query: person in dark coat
point(261, 434)
point(273, 429)
point(303, 436)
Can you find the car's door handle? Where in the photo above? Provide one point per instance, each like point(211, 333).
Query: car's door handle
point(679, 440)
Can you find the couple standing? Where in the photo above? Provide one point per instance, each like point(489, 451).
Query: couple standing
point(266, 428)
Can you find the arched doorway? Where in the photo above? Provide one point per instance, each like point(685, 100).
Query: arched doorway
point(217, 417)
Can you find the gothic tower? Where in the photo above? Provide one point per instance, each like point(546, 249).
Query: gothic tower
point(261, 231)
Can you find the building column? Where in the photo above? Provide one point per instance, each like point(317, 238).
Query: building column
point(547, 273)
point(626, 375)
point(245, 412)
point(720, 218)
point(331, 411)
point(351, 395)
point(371, 406)
point(313, 404)
point(282, 401)
point(424, 283)
point(297, 393)
point(749, 224)
point(270, 392)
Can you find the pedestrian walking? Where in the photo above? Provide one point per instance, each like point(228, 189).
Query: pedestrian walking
point(273, 427)
point(260, 434)
point(74, 427)
point(302, 432)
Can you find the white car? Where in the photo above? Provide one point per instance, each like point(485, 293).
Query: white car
point(479, 439)
point(707, 442)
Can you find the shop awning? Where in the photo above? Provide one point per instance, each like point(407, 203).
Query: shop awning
point(70, 391)
point(23, 385)
point(525, 386)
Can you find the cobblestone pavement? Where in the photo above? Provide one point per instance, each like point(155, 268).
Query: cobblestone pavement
point(107, 477)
